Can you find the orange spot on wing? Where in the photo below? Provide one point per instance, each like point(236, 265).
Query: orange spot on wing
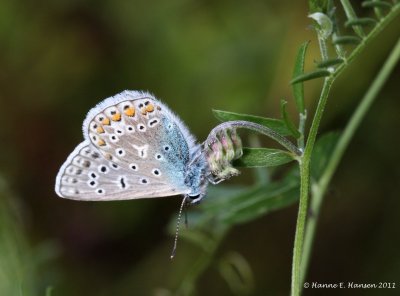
point(116, 117)
point(106, 121)
point(100, 130)
point(143, 111)
point(101, 142)
point(130, 111)
point(150, 108)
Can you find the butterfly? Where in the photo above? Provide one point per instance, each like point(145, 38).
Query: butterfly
point(136, 147)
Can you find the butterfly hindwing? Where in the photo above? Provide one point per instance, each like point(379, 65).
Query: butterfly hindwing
point(135, 147)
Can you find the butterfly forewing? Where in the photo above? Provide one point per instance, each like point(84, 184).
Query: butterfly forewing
point(134, 148)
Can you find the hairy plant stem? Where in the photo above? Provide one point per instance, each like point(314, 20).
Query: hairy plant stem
point(299, 263)
point(319, 189)
point(304, 188)
point(255, 127)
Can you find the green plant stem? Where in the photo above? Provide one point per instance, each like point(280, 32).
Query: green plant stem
point(323, 48)
point(255, 127)
point(395, 11)
point(302, 124)
point(305, 160)
point(304, 188)
point(320, 188)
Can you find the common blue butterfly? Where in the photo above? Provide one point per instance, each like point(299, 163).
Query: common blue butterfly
point(136, 147)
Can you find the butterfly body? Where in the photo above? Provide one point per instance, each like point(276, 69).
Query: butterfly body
point(134, 147)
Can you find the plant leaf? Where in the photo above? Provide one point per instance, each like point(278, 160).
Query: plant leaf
point(311, 75)
point(365, 21)
point(263, 157)
point(380, 4)
point(276, 125)
point(237, 273)
point(346, 40)
point(349, 11)
point(286, 119)
point(318, 5)
point(322, 150)
point(330, 62)
point(261, 200)
point(298, 88)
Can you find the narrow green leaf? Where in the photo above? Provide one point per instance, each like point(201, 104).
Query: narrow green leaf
point(262, 200)
point(263, 157)
point(298, 88)
point(330, 62)
point(379, 4)
point(311, 75)
point(365, 21)
point(318, 5)
point(322, 150)
point(237, 273)
point(286, 119)
point(348, 9)
point(346, 40)
point(276, 125)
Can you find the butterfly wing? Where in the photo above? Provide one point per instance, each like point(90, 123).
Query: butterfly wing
point(134, 147)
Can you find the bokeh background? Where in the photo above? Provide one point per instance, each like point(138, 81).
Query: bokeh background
point(59, 58)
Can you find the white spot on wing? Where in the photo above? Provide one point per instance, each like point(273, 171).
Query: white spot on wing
point(142, 150)
point(134, 167)
point(141, 127)
point(120, 152)
point(153, 122)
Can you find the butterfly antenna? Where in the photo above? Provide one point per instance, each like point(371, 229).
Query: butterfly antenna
point(186, 217)
point(178, 222)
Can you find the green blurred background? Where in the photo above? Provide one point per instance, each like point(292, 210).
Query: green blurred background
point(59, 58)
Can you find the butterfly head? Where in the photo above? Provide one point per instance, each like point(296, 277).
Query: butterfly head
point(196, 178)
